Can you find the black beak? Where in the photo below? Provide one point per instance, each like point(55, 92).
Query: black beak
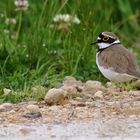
point(93, 43)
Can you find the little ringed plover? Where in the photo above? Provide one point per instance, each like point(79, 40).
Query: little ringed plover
point(114, 61)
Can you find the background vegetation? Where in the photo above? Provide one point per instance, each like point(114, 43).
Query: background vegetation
point(32, 53)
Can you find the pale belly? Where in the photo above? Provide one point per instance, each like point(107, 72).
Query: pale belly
point(112, 75)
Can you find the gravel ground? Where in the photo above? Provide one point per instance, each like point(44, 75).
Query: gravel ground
point(107, 113)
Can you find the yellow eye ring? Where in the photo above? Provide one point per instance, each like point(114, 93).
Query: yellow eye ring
point(105, 38)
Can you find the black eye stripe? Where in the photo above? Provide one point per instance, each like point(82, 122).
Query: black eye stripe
point(110, 40)
point(101, 36)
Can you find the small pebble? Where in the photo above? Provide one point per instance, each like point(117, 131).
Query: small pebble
point(33, 108)
point(70, 90)
point(92, 87)
point(90, 104)
point(54, 108)
point(32, 111)
point(32, 115)
point(6, 107)
point(2, 108)
point(98, 94)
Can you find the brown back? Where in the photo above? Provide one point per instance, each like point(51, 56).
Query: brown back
point(119, 59)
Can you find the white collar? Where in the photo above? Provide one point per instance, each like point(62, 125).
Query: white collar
point(105, 45)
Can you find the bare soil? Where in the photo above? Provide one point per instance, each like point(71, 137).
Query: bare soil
point(115, 116)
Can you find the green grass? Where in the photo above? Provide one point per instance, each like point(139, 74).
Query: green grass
point(27, 55)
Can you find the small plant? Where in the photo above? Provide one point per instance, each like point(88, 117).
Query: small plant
point(64, 21)
point(21, 5)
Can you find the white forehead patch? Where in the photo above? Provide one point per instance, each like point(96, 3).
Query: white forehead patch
point(108, 35)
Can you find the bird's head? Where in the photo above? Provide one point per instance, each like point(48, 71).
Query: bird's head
point(106, 39)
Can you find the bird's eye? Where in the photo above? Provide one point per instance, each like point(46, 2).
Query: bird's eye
point(105, 38)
